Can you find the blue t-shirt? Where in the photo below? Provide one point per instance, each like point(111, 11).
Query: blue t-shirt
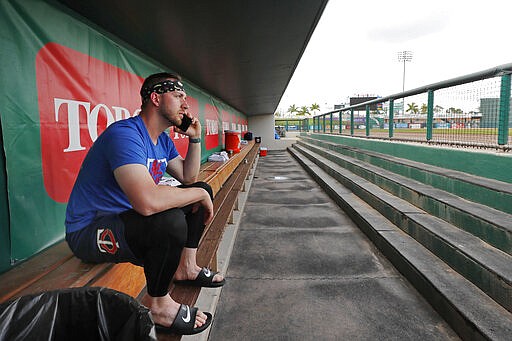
point(96, 192)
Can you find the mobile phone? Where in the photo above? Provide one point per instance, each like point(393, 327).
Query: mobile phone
point(185, 123)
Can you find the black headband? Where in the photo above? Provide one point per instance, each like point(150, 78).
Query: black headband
point(160, 88)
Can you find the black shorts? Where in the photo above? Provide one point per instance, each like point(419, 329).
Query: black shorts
point(103, 241)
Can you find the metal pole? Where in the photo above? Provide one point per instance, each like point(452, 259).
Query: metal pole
point(430, 114)
point(404, 56)
point(391, 117)
point(403, 79)
point(352, 121)
point(504, 110)
point(368, 123)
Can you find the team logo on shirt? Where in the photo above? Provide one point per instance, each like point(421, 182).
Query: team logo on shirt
point(157, 168)
point(106, 241)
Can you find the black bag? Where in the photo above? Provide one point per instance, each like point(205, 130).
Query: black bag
point(248, 136)
point(88, 313)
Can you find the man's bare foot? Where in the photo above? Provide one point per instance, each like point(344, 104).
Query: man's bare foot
point(164, 310)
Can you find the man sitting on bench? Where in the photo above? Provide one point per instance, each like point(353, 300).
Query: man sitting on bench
point(117, 212)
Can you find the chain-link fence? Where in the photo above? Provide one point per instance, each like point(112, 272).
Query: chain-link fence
point(472, 110)
point(468, 113)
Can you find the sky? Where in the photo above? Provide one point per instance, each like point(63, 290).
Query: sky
point(354, 48)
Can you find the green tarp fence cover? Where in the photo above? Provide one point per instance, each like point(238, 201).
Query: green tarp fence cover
point(63, 81)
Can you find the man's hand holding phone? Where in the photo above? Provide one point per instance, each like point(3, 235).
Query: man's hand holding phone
point(190, 127)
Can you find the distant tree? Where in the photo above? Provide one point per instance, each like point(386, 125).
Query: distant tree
point(424, 108)
point(412, 108)
point(438, 109)
point(302, 111)
point(314, 107)
point(292, 109)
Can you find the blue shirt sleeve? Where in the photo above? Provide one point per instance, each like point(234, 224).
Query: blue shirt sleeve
point(125, 145)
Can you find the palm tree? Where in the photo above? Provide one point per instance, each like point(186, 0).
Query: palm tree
point(314, 107)
point(302, 111)
point(424, 108)
point(412, 107)
point(292, 108)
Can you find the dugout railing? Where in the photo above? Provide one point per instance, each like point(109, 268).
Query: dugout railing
point(471, 110)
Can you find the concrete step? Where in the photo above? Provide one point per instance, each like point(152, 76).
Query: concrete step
point(489, 192)
point(487, 267)
point(470, 312)
point(489, 224)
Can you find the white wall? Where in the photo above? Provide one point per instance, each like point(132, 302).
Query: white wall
point(263, 126)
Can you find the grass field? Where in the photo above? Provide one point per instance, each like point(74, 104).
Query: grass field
point(477, 136)
point(458, 131)
point(466, 132)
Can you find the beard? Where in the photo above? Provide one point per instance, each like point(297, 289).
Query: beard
point(172, 120)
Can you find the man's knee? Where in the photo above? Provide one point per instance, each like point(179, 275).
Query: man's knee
point(170, 227)
point(206, 187)
point(203, 185)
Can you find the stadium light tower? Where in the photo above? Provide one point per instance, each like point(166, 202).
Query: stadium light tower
point(404, 56)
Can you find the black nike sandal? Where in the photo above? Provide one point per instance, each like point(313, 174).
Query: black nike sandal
point(204, 279)
point(184, 322)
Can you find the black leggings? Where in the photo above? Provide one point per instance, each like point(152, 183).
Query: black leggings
point(158, 240)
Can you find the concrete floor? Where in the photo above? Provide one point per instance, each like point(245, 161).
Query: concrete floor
point(300, 269)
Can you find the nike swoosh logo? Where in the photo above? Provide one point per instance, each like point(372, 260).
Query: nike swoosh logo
point(207, 272)
point(186, 319)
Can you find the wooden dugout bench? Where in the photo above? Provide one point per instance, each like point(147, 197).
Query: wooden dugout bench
point(57, 268)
